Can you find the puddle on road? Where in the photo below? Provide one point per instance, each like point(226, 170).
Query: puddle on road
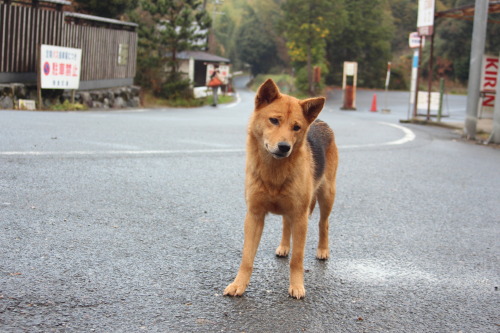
point(370, 271)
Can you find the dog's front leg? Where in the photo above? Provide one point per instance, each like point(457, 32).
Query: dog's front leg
point(299, 232)
point(284, 247)
point(254, 224)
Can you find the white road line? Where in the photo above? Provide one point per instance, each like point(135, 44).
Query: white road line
point(238, 100)
point(119, 152)
point(408, 137)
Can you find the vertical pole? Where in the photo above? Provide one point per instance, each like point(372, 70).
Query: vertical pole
point(354, 85)
point(495, 134)
point(387, 80)
point(414, 68)
point(429, 87)
point(418, 78)
point(39, 76)
point(441, 93)
point(476, 58)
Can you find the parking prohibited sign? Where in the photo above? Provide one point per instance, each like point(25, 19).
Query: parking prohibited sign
point(60, 67)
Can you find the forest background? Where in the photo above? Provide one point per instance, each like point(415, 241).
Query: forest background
point(294, 36)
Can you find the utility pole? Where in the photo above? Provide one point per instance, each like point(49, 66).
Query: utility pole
point(476, 59)
point(495, 135)
point(211, 35)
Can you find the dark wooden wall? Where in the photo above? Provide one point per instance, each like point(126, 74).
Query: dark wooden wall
point(23, 29)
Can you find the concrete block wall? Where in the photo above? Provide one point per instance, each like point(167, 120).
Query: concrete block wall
point(111, 98)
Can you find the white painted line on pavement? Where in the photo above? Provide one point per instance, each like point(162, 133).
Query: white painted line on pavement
point(409, 136)
point(238, 100)
point(118, 152)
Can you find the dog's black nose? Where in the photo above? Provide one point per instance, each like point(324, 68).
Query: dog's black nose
point(284, 147)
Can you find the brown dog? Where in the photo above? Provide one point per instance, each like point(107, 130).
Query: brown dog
point(291, 162)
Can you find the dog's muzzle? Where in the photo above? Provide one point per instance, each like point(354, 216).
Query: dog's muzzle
point(282, 150)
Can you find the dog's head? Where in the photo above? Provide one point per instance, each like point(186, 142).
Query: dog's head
point(280, 121)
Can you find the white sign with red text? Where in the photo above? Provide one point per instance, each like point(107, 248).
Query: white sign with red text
point(223, 72)
point(60, 67)
point(489, 76)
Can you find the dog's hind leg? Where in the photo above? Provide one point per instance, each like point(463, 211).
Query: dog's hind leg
point(254, 224)
point(284, 247)
point(326, 198)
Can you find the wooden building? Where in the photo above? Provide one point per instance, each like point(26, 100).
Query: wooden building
point(109, 47)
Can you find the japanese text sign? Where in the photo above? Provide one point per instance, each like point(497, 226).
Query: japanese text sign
point(425, 19)
point(60, 67)
point(223, 72)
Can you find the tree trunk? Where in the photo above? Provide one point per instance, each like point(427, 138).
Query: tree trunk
point(309, 71)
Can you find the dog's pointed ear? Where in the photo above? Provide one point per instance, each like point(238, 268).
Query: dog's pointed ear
point(312, 107)
point(266, 94)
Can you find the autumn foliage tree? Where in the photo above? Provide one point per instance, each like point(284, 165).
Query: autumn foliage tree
point(307, 25)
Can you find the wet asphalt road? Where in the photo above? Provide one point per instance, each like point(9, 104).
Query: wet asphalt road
point(132, 221)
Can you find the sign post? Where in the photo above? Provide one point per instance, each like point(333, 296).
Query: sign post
point(387, 79)
point(425, 27)
point(350, 77)
point(416, 42)
point(58, 68)
point(476, 57)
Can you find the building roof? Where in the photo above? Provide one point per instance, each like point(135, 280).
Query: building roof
point(99, 19)
point(58, 2)
point(202, 56)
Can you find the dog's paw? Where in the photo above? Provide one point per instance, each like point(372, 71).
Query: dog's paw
point(322, 254)
point(234, 289)
point(297, 291)
point(282, 251)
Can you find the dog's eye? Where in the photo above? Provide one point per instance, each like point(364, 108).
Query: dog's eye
point(274, 121)
point(296, 128)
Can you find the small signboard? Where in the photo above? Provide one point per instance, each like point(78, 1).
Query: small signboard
point(425, 20)
point(489, 77)
point(60, 67)
point(349, 82)
point(423, 100)
point(26, 104)
point(414, 40)
point(223, 72)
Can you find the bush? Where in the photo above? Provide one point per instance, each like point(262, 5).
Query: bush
point(67, 106)
point(176, 88)
point(285, 82)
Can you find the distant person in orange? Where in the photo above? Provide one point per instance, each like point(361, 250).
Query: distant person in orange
point(215, 82)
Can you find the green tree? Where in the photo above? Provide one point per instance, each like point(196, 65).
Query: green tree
point(404, 15)
point(110, 8)
point(453, 39)
point(178, 25)
point(366, 39)
point(255, 23)
point(255, 46)
point(307, 25)
point(168, 27)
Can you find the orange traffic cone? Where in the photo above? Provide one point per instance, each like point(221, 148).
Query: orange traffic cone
point(374, 103)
